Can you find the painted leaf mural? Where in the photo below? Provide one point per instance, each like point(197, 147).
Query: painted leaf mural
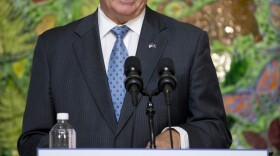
point(244, 34)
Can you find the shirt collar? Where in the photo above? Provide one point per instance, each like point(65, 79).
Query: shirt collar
point(105, 24)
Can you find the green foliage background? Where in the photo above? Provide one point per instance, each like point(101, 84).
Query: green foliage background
point(19, 19)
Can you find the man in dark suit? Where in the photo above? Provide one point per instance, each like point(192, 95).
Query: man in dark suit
point(70, 75)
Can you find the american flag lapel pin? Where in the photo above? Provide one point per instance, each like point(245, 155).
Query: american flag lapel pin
point(152, 45)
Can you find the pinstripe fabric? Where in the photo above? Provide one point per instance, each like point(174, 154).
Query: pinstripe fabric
point(69, 75)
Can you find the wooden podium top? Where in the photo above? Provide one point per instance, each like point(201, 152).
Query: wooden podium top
point(148, 152)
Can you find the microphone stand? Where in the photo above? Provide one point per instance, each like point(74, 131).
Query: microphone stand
point(169, 125)
point(134, 103)
point(150, 113)
point(133, 125)
point(168, 95)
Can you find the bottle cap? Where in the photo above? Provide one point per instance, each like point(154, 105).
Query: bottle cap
point(62, 116)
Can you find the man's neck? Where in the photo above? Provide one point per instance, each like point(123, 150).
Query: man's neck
point(119, 19)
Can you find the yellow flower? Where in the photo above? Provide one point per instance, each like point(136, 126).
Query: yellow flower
point(48, 22)
point(19, 68)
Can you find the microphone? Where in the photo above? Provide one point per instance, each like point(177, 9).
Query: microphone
point(133, 82)
point(166, 84)
point(167, 81)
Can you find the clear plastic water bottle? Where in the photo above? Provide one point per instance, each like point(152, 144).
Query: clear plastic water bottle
point(62, 134)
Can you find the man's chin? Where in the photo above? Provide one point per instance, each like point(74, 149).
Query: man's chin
point(127, 12)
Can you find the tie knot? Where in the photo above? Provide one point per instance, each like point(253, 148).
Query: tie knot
point(120, 32)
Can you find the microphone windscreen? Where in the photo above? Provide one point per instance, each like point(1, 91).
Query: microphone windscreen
point(166, 64)
point(134, 63)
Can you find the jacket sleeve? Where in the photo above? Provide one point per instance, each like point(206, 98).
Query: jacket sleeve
point(39, 115)
point(206, 121)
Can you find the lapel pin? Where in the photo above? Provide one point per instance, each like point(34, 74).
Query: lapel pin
point(152, 45)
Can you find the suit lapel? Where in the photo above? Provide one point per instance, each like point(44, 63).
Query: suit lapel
point(149, 56)
point(89, 55)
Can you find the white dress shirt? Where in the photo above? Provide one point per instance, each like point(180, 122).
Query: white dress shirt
point(131, 39)
point(108, 38)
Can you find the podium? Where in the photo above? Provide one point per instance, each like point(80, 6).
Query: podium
point(148, 152)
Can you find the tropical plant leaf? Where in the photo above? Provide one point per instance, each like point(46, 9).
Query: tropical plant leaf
point(12, 31)
point(5, 152)
point(255, 140)
point(11, 111)
point(274, 133)
point(89, 6)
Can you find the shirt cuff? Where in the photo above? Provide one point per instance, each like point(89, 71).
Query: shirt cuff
point(184, 137)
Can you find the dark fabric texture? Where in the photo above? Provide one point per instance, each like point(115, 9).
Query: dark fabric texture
point(68, 75)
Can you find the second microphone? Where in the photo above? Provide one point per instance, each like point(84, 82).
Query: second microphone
point(133, 82)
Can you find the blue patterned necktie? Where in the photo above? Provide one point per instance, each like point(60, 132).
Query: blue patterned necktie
point(116, 75)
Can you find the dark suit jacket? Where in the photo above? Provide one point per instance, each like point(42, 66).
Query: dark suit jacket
point(69, 75)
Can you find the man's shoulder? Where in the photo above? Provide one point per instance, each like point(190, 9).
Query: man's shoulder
point(65, 30)
point(182, 26)
point(176, 25)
